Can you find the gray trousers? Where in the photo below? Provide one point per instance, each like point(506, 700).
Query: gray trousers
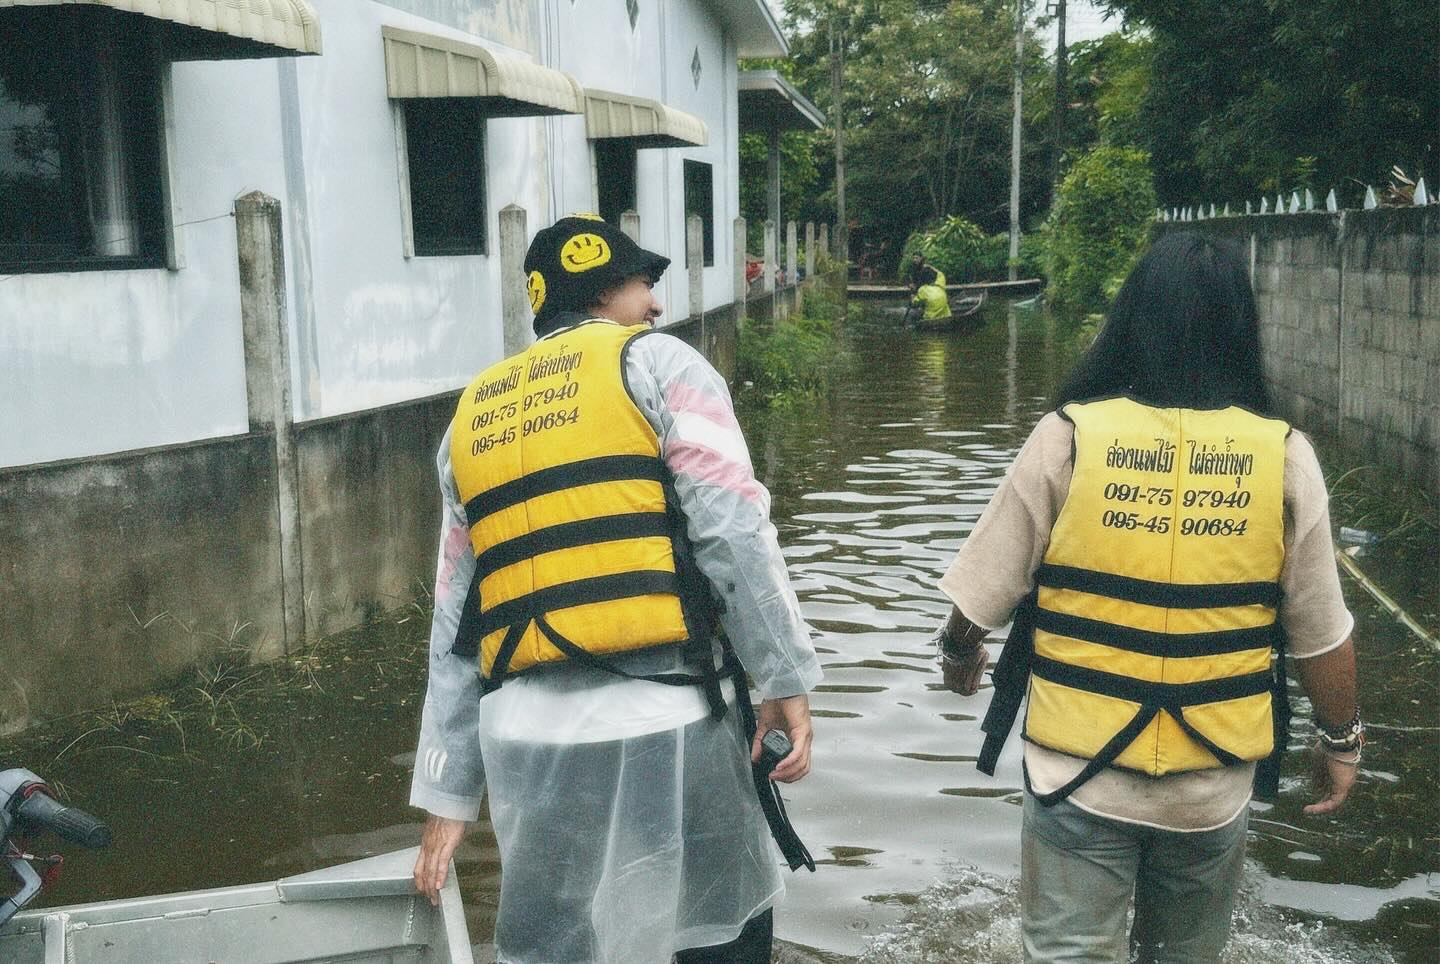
point(1078, 873)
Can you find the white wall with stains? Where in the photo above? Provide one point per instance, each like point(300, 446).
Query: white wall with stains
point(100, 362)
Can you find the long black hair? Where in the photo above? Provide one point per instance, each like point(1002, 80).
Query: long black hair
point(1183, 332)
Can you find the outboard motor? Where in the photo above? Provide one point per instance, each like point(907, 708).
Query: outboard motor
point(28, 809)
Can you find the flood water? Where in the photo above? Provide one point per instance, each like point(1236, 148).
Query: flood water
point(245, 778)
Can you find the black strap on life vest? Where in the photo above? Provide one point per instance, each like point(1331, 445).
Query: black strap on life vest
point(792, 848)
point(1009, 678)
point(1152, 697)
point(1018, 660)
point(1267, 771)
point(1162, 594)
point(708, 677)
point(604, 468)
point(571, 535)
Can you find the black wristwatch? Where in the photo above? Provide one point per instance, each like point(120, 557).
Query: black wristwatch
point(1345, 738)
point(952, 648)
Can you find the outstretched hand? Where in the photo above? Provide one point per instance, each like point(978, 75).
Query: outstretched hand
point(791, 716)
point(963, 675)
point(438, 843)
point(1331, 780)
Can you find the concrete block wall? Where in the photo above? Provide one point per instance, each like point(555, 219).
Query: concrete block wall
point(1349, 307)
point(122, 570)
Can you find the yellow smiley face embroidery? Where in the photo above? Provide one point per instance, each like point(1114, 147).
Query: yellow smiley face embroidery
point(584, 252)
point(536, 286)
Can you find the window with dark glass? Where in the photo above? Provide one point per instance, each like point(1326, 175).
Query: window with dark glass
point(80, 166)
point(445, 144)
point(700, 199)
point(615, 177)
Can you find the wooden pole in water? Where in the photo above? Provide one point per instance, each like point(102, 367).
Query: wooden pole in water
point(742, 287)
point(837, 115)
point(1019, 83)
point(1057, 119)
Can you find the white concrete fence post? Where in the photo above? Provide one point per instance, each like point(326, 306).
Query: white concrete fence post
point(809, 249)
point(825, 239)
point(695, 260)
point(770, 257)
point(742, 287)
point(516, 329)
point(630, 225)
point(792, 261)
point(261, 256)
point(792, 251)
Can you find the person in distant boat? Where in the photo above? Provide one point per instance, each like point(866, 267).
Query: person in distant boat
point(930, 302)
point(601, 516)
point(1161, 543)
point(911, 274)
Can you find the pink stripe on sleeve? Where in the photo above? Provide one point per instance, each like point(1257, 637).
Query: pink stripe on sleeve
point(683, 397)
point(707, 466)
point(457, 541)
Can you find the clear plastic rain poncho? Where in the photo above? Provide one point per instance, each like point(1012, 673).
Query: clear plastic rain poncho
point(626, 817)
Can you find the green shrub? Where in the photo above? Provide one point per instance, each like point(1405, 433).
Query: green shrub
point(786, 361)
point(1098, 226)
point(960, 249)
point(1034, 252)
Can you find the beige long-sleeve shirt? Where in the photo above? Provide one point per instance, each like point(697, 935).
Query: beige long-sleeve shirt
point(996, 566)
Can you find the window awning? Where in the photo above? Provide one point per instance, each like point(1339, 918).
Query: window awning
point(424, 65)
point(216, 29)
point(770, 102)
point(644, 122)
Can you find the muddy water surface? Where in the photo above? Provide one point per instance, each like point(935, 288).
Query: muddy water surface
point(240, 777)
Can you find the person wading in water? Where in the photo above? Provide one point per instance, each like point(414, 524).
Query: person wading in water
point(600, 516)
point(1161, 542)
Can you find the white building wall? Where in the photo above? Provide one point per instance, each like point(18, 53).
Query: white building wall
point(108, 361)
point(93, 362)
point(690, 25)
point(386, 328)
point(653, 60)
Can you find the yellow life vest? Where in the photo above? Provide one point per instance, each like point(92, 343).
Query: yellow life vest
point(1154, 619)
point(580, 552)
point(934, 300)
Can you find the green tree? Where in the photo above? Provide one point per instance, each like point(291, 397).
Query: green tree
point(927, 104)
point(1253, 96)
point(1109, 80)
point(1098, 226)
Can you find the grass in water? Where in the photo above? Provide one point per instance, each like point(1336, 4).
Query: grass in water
point(789, 360)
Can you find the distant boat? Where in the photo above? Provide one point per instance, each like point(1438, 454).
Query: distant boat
point(366, 912)
point(960, 308)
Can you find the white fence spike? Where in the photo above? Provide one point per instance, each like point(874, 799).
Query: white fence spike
point(1309, 200)
point(1279, 204)
point(1294, 202)
point(1421, 195)
point(1264, 205)
point(1247, 206)
point(1371, 201)
point(1200, 213)
point(1212, 209)
point(1331, 202)
point(1226, 213)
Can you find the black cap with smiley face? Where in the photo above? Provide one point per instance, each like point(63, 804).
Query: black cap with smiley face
point(576, 258)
